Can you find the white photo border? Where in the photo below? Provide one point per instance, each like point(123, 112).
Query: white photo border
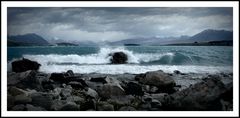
point(5, 4)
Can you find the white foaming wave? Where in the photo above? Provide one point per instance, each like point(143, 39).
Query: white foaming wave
point(148, 57)
point(102, 57)
point(133, 69)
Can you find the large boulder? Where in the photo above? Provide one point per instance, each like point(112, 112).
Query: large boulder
point(134, 89)
point(104, 106)
point(41, 99)
point(24, 65)
point(118, 58)
point(28, 79)
point(17, 78)
point(163, 81)
point(30, 107)
point(127, 108)
point(108, 90)
point(205, 95)
point(70, 106)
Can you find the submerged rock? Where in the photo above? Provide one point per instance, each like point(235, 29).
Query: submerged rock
point(118, 58)
point(24, 65)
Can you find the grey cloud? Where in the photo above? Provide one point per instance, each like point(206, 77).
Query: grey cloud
point(108, 24)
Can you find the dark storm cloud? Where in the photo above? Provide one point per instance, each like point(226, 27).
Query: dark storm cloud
point(102, 24)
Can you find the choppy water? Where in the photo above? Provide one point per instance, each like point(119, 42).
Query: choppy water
point(197, 59)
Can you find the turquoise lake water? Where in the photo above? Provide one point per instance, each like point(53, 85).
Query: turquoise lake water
point(197, 59)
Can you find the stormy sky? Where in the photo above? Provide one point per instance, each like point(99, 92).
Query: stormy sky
point(111, 23)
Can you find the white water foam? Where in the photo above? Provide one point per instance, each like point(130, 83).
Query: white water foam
point(99, 63)
point(133, 69)
point(102, 57)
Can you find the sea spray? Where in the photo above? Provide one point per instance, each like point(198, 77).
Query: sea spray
point(140, 59)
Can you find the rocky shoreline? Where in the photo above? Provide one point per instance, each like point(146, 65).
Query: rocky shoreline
point(31, 90)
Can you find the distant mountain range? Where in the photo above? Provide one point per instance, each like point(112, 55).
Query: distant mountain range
point(204, 36)
point(26, 40)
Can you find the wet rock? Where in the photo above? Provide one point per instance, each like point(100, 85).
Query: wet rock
point(127, 108)
point(69, 73)
point(24, 65)
point(119, 101)
point(22, 99)
point(146, 98)
point(21, 79)
point(104, 106)
point(75, 99)
point(10, 101)
point(62, 77)
point(41, 99)
point(92, 93)
point(70, 106)
point(57, 104)
point(108, 90)
point(16, 91)
point(30, 107)
point(176, 72)
point(65, 92)
point(163, 81)
point(161, 97)
point(88, 104)
point(94, 85)
point(201, 96)
point(99, 79)
point(76, 85)
point(145, 107)
point(156, 104)
point(150, 89)
point(134, 89)
point(19, 107)
point(118, 58)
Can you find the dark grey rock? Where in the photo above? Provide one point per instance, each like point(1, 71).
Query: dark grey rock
point(104, 106)
point(57, 104)
point(76, 85)
point(88, 104)
point(118, 58)
point(163, 81)
point(19, 107)
point(92, 93)
point(10, 101)
point(22, 99)
point(176, 72)
point(75, 99)
point(127, 108)
point(67, 91)
point(41, 99)
point(30, 107)
point(134, 88)
point(99, 79)
point(108, 90)
point(70, 106)
point(16, 91)
point(119, 101)
point(201, 96)
point(24, 65)
point(156, 104)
